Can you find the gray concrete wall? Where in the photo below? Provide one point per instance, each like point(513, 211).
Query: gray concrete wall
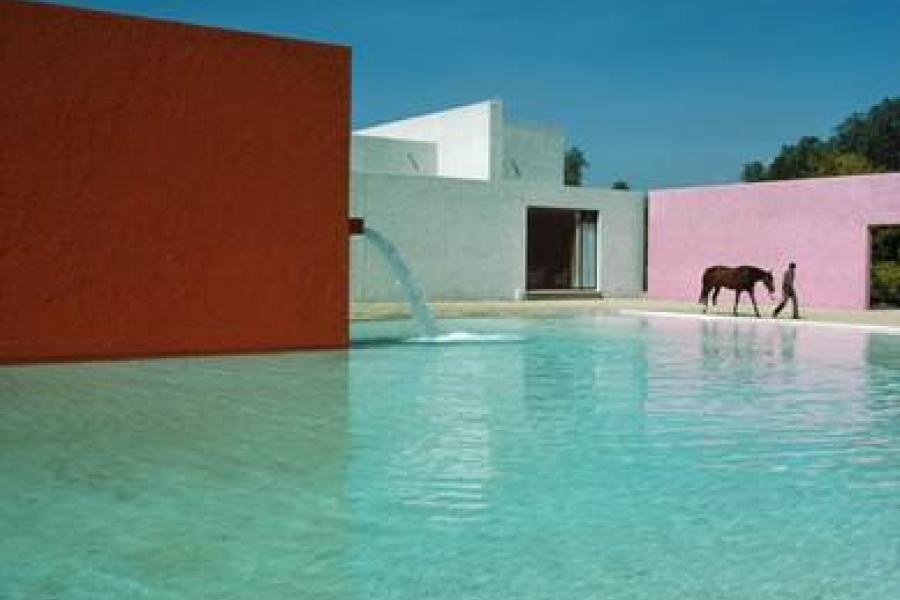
point(533, 153)
point(465, 240)
point(621, 235)
point(370, 154)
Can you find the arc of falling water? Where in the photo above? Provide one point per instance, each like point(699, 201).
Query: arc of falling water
point(423, 318)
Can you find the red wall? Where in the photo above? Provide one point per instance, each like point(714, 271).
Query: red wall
point(168, 189)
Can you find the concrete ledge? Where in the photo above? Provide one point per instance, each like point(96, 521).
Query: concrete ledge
point(561, 295)
point(553, 308)
point(888, 329)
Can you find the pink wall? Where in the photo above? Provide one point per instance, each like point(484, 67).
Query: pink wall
point(821, 224)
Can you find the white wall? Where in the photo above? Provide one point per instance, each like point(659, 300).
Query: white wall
point(467, 138)
point(465, 240)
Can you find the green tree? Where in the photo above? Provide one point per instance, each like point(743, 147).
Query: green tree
point(885, 270)
point(620, 185)
point(798, 160)
point(864, 143)
point(754, 171)
point(834, 162)
point(874, 135)
point(886, 244)
point(575, 164)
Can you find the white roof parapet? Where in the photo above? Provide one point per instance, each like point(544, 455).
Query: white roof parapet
point(469, 142)
point(467, 138)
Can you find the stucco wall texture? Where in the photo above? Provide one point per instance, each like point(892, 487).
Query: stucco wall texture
point(168, 189)
point(821, 224)
point(467, 240)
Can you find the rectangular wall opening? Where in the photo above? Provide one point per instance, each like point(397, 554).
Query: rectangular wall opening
point(563, 249)
point(884, 266)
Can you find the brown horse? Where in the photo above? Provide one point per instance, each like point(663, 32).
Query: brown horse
point(740, 279)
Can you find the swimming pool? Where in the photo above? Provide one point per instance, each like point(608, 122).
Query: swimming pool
point(602, 457)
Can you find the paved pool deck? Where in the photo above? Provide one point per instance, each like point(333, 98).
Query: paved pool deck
point(887, 320)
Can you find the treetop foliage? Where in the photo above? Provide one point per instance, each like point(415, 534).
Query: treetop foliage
point(864, 143)
point(574, 165)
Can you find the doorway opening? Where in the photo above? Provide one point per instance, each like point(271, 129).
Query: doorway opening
point(563, 249)
point(884, 266)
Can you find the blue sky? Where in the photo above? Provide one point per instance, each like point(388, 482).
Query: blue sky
point(660, 93)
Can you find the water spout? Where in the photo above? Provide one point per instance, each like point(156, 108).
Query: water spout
point(423, 318)
point(356, 225)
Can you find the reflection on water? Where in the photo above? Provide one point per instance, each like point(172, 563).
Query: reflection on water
point(626, 459)
point(786, 398)
point(618, 458)
point(196, 478)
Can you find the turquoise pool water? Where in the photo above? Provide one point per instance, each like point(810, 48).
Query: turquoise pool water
point(609, 458)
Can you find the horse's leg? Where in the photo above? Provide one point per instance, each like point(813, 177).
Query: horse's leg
point(715, 297)
point(784, 299)
point(737, 299)
point(753, 299)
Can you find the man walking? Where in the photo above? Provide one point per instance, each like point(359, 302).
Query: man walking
point(788, 292)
